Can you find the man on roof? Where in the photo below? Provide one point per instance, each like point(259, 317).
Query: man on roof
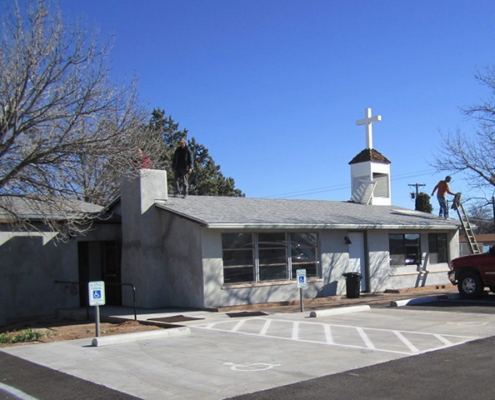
point(443, 188)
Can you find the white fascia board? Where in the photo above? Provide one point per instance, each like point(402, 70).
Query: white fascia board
point(329, 226)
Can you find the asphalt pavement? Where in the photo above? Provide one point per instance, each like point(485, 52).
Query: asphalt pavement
point(349, 349)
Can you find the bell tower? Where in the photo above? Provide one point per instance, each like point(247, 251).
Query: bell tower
point(370, 170)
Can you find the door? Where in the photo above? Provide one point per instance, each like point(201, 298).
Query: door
point(110, 266)
point(357, 259)
point(100, 261)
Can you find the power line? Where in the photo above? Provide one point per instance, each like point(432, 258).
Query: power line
point(342, 186)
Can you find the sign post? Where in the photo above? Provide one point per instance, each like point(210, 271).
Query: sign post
point(96, 291)
point(301, 284)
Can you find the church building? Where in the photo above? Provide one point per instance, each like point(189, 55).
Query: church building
point(207, 252)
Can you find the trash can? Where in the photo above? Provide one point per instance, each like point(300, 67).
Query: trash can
point(352, 284)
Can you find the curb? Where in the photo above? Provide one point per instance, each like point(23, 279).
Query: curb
point(137, 336)
point(400, 303)
point(336, 311)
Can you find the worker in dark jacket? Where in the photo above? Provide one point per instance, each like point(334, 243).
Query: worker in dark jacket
point(182, 165)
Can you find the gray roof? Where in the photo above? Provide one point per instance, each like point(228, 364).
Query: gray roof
point(251, 213)
point(51, 207)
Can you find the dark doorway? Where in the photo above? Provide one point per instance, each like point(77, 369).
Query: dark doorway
point(100, 261)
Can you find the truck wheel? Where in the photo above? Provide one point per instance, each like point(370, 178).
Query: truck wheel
point(470, 285)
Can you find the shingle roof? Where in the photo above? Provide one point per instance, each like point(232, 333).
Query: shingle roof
point(53, 208)
point(370, 155)
point(243, 212)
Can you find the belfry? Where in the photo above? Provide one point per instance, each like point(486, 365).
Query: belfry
point(370, 170)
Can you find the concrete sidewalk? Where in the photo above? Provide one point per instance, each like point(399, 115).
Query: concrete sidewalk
point(180, 316)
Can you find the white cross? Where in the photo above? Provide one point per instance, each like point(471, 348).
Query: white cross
point(368, 120)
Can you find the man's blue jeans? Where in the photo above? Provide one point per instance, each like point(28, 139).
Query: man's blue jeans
point(444, 210)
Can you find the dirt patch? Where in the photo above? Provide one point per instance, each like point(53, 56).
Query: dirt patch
point(60, 330)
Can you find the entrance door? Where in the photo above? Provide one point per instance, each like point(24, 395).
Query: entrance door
point(100, 261)
point(357, 260)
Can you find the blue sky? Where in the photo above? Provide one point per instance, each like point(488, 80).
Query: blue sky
point(273, 88)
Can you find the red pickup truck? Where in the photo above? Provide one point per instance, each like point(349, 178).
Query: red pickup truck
point(473, 273)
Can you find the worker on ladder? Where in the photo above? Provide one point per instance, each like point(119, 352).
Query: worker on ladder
point(443, 188)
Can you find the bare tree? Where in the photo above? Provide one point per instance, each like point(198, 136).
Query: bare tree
point(482, 218)
point(66, 132)
point(473, 155)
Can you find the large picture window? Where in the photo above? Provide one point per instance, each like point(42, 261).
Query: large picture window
point(268, 256)
point(437, 247)
point(405, 249)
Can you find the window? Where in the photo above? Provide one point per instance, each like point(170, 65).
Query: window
point(405, 249)
point(268, 256)
point(381, 189)
point(238, 257)
point(437, 247)
point(272, 255)
point(304, 254)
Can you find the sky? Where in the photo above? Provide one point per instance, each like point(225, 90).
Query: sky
point(273, 88)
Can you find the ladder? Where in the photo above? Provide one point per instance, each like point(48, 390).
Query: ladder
point(466, 225)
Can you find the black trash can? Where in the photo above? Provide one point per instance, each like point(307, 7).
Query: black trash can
point(352, 284)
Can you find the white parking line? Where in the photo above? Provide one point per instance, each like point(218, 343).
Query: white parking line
point(295, 331)
point(365, 338)
point(444, 340)
point(16, 392)
point(377, 339)
point(413, 348)
point(328, 334)
point(265, 328)
point(238, 326)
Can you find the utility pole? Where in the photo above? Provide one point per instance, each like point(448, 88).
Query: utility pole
point(493, 206)
point(417, 185)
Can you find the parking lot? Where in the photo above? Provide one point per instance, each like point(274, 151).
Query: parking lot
point(224, 357)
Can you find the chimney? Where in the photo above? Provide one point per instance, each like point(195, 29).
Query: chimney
point(142, 247)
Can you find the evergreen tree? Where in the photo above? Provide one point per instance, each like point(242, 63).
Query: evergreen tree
point(423, 203)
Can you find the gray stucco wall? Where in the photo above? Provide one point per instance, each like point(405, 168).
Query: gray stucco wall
point(182, 262)
point(29, 268)
point(142, 238)
point(334, 262)
point(384, 276)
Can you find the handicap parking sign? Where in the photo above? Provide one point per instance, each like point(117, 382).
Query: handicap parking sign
point(96, 292)
point(301, 278)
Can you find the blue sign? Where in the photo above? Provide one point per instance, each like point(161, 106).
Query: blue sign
point(96, 292)
point(301, 278)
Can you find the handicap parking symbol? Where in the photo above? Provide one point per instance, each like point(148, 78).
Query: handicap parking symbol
point(301, 278)
point(96, 293)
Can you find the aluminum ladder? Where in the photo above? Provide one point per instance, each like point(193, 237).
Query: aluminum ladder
point(466, 225)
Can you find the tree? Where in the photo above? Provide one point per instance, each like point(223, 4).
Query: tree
point(206, 178)
point(482, 218)
point(64, 127)
point(423, 203)
point(473, 155)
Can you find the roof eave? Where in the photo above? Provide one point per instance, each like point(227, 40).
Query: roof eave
point(160, 204)
point(329, 226)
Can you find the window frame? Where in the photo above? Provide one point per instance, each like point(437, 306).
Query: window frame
point(399, 258)
point(438, 251)
point(260, 266)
